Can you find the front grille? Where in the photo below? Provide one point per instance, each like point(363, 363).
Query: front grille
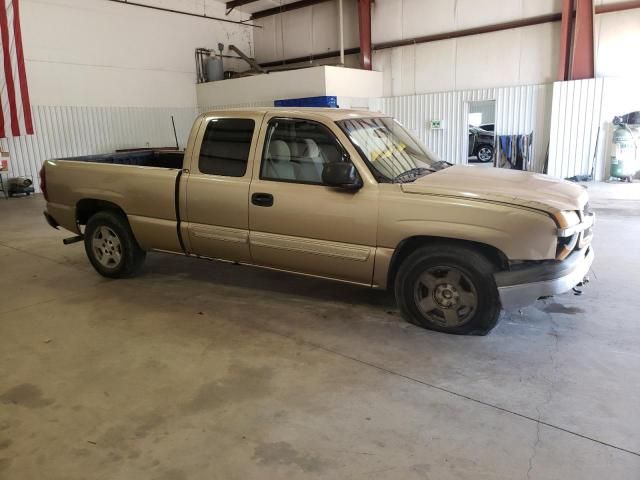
point(566, 245)
point(585, 237)
point(587, 234)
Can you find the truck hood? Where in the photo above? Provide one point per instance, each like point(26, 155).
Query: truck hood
point(514, 187)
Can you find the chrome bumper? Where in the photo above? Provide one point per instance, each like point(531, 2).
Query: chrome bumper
point(521, 288)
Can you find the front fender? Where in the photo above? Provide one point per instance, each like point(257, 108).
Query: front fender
point(518, 232)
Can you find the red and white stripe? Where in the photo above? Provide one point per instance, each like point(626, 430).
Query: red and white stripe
point(15, 117)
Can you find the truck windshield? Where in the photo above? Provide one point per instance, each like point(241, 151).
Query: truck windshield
point(391, 152)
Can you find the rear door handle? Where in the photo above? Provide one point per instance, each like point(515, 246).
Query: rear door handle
point(262, 199)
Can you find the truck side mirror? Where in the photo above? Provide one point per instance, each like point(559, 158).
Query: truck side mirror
point(341, 175)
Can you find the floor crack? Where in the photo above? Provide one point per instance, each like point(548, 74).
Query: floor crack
point(534, 449)
point(549, 394)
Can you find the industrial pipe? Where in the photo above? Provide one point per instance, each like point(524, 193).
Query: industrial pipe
point(364, 23)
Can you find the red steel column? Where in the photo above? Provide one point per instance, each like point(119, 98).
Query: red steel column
point(364, 22)
point(566, 30)
point(582, 63)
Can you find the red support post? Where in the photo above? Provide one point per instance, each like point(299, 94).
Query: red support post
point(582, 62)
point(364, 22)
point(566, 31)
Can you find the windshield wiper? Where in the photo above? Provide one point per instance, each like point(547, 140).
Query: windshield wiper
point(411, 175)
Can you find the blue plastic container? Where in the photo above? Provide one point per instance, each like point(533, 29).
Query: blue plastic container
point(324, 101)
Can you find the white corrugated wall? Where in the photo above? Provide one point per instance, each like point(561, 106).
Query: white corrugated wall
point(575, 125)
point(72, 131)
point(236, 105)
point(564, 117)
point(519, 110)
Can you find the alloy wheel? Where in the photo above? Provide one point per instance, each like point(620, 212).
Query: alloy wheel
point(106, 247)
point(446, 296)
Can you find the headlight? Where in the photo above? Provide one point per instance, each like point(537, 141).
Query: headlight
point(566, 238)
point(566, 219)
point(567, 222)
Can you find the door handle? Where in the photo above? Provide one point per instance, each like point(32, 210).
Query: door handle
point(262, 199)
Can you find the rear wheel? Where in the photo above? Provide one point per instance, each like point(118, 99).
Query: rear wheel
point(449, 289)
point(111, 247)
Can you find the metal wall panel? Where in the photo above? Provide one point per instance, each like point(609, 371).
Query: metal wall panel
point(62, 131)
point(575, 121)
point(519, 110)
point(526, 109)
point(236, 105)
point(71, 131)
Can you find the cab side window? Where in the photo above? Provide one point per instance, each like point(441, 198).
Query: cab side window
point(225, 147)
point(297, 150)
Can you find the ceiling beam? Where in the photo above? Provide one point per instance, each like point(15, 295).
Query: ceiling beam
point(526, 22)
point(607, 8)
point(180, 12)
point(238, 3)
point(285, 8)
point(498, 27)
point(318, 56)
point(617, 7)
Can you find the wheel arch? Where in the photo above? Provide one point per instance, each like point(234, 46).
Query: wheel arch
point(409, 245)
point(87, 207)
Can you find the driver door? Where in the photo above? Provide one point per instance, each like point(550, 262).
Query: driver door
point(298, 224)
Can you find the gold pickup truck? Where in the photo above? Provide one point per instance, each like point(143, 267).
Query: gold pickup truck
point(338, 194)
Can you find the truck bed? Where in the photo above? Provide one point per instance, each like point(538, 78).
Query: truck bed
point(143, 158)
point(148, 195)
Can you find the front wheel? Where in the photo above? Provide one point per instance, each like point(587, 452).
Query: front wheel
point(485, 153)
point(111, 247)
point(448, 289)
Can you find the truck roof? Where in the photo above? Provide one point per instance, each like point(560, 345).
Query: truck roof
point(330, 113)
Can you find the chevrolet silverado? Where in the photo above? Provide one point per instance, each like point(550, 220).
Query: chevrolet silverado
point(338, 194)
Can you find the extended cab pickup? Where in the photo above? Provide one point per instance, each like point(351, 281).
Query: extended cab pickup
point(338, 194)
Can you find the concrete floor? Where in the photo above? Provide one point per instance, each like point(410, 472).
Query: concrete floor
point(199, 370)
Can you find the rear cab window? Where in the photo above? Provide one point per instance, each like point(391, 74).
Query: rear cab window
point(225, 147)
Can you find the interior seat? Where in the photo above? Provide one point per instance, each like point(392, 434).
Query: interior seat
point(278, 162)
point(310, 163)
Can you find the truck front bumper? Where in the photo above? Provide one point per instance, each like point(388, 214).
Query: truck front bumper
point(524, 284)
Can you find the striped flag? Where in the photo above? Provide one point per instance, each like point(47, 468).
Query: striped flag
point(15, 117)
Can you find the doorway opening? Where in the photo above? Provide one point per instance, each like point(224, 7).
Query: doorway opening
point(481, 125)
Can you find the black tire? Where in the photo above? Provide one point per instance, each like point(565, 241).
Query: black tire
point(486, 151)
point(476, 280)
point(131, 256)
